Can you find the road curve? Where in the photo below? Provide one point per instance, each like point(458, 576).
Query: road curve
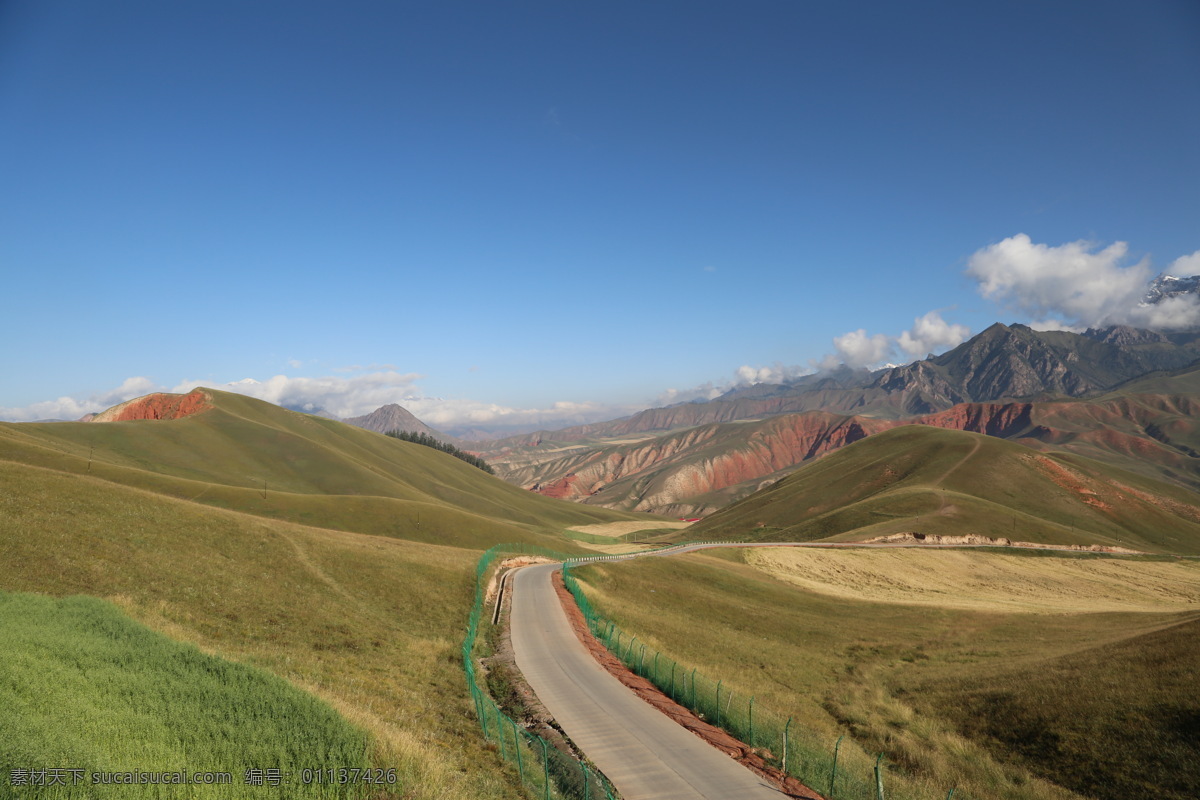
point(643, 753)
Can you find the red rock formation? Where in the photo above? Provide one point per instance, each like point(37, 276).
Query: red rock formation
point(672, 471)
point(157, 406)
point(995, 419)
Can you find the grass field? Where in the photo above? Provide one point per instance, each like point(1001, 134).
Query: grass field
point(370, 624)
point(84, 687)
point(991, 581)
point(944, 691)
point(618, 530)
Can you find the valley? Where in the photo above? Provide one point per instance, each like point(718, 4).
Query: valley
point(340, 561)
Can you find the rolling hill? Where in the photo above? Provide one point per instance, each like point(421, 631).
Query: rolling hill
point(234, 452)
point(934, 481)
point(338, 559)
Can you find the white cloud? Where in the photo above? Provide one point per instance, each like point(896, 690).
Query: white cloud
point(72, 408)
point(1055, 325)
point(1185, 266)
point(931, 333)
point(1171, 313)
point(857, 349)
point(705, 391)
point(1079, 285)
point(745, 375)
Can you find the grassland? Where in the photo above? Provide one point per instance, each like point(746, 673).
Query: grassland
point(84, 687)
point(948, 482)
point(950, 693)
point(337, 559)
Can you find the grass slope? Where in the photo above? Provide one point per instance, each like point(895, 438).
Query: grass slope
point(247, 455)
point(370, 624)
point(948, 482)
point(1132, 729)
point(83, 686)
point(947, 692)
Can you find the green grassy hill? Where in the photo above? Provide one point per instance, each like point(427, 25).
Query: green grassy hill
point(350, 574)
point(247, 455)
point(947, 482)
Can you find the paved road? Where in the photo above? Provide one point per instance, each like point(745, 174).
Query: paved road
point(644, 753)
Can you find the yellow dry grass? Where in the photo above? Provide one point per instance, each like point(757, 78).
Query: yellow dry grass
point(618, 529)
point(986, 581)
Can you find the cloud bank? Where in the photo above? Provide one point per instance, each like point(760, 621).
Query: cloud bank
point(929, 334)
point(1080, 285)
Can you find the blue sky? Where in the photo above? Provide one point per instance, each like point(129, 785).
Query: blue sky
point(482, 210)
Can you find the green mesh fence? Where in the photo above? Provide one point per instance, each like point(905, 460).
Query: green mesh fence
point(545, 771)
point(832, 771)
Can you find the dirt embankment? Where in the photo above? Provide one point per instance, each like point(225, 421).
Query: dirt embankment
point(157, 406)
point(643, 688)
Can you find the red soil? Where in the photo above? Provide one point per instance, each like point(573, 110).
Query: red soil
point(561, 488)
point(643, 688)
point(157, 406)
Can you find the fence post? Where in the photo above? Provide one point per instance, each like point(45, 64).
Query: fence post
point(878, 779)
point(586, 780)
point(655, 678)
point(751, 742)
point(785, 743)
point(718, 704)
point(833, 772)
point(951, 795)
point(517, 747)
point(546, 767)
point(629, 650)
point(500, 731)
point(642, 661)
point(693, 689)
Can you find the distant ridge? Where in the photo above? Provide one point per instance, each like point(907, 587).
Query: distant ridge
point(1122, 395)
point(1003, 362)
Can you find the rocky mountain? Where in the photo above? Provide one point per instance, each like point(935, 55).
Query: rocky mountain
point(1002, 362)
point(393, 417)
point(702, 469)
point(1165, 286)
point(1048, 390)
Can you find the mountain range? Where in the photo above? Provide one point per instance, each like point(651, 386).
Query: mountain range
point(1119, 394)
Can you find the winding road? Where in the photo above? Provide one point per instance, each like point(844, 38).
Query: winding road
point(643, 753)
